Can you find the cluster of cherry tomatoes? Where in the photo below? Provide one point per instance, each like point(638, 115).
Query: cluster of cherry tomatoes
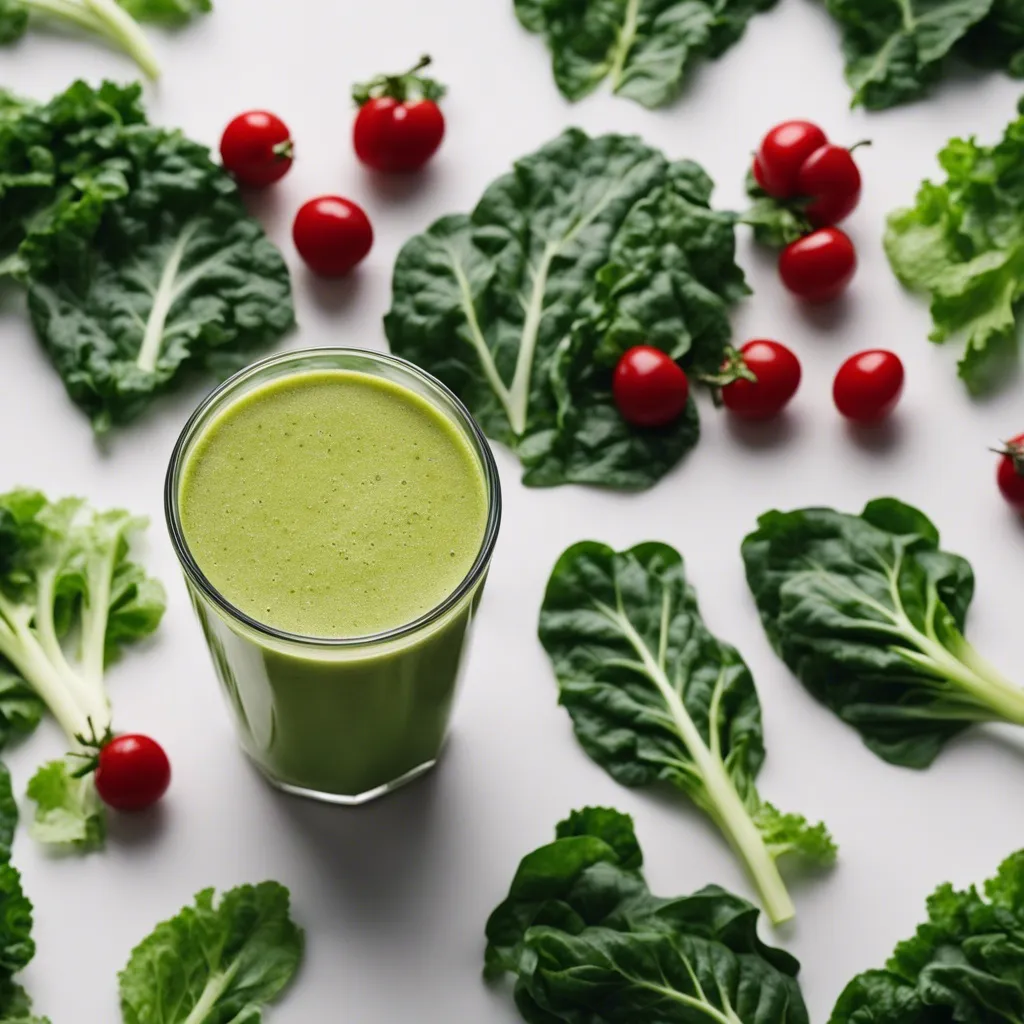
point(651, 389)
point(797, 166)
point(398, 128)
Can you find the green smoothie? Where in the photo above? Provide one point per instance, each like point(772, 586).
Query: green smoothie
point(335, 505)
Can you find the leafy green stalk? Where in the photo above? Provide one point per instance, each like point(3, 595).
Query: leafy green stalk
point(65, 574)
point(654, 697)
point(587, 941)
point(869, 613)
point(221, 961)
point(116, 23)
point(963, 964)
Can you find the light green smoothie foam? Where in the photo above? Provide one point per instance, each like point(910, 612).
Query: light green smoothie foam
point(333, 504)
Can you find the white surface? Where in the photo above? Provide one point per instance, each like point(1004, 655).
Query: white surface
point(394, 896)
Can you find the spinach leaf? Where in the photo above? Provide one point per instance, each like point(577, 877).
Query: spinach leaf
point(589, 944)
point(776, 222)
point(138, 257)
point(963, 243)
point(643, 47)
point(964, 963)
point(894, 49)
point(523, 307)
point(166, 12)
point(869, 613)
point(654, 697)
point(998, 40)
point(214, 962)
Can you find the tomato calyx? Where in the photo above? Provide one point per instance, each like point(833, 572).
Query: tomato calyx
point(1014, 451)
point(733, 368)
point(284, 150)
point(92, 745)
point(409, 85)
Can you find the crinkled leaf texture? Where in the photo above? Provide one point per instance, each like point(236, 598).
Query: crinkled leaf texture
point(138, 257)
point(68, 811)
point(643, 47)
point(655, 698)
point(219, 963)
point(588, 942)
point(963, 243)
point(895, 49)
point(588, 247)
point(965, 963)
point(869, 613)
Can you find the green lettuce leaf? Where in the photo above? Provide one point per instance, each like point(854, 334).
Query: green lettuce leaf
point(655, 698)
point(965, 963)
point(68, 811)
point(523, 307)
point(643, 47)
point(963, 244)
point(214, 962)
point(869, 613)
point(588, 943)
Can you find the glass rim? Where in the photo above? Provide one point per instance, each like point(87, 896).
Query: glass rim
point(483, 451)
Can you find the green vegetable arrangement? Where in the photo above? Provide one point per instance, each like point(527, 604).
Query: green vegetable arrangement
point(644, 48)
point(139, 261)
point(964, 963)
point(963, 243)
point(66, 579)
point(218, 962)
point(588, 942)
point(654, 697)
point(896, 49)
point(116, 22)
point(869, 613)
point(588, 247)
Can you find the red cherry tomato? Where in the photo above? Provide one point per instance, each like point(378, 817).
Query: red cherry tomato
point(133, 773)
point(868, 385)
point(778, 376)
point(783, 152)
point(819, 266)
point(393, 136)
point(829, 177)
point(257, 149)
point(1010, 473)
point(332, 235)
point(649, 387)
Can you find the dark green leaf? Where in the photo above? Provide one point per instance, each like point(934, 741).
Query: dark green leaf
point(166, 12)
point(16, 945)
point(589, 944)
point(13, 20)
point(126, 294)
point(964, 964)
point(895, 48)
point(776, 223)
point(8, 815)
point(589, 247)
point(868, 612)
point(654, 697)
point(998, 40)
point(963, 243)
point(643, 47)
point(231, 958)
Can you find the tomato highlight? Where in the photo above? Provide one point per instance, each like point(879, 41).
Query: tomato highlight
point(868, 385)
point(257, 149)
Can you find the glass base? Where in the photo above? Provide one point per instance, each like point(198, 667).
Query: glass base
point(344, 799)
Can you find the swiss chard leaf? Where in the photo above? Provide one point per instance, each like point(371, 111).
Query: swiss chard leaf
point(895, 48)
point(869, 613)
point(643, 47)
point(128, 293)
point(589, 944)
point(523, 307)
point(963, 243)
point(654, 697)
point(966, 962)
point(215, 962)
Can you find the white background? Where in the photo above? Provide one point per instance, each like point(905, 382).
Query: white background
point(394, 896)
